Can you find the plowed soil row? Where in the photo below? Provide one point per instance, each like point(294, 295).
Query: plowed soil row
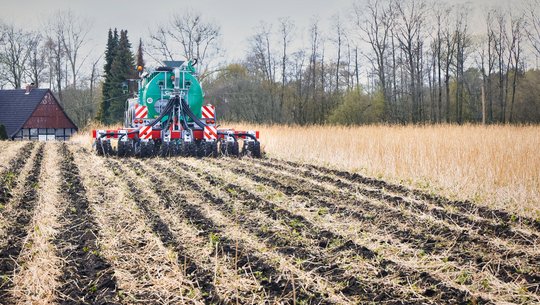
point(246, 231)
point(8, 178)
point(431, 237)
point(276, 286)
point(463, 246)
point(318, 259)
point(87, 277)
point(465, 207)
point(199, 275)
point(483, 226)
point(18, 217)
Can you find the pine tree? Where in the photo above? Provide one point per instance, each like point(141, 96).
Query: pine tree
point(110, 54)
point(140, 50)
point(122, 69)
point(112, 44)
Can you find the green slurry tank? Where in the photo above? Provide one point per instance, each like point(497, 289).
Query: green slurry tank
point(168, 117)
point(159, 85)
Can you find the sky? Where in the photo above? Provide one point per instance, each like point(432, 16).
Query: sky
point(238, 19)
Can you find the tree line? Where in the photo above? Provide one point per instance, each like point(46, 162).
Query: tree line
point(388, 61)
point(53, 57)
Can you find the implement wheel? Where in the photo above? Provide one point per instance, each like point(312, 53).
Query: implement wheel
point(252, 149)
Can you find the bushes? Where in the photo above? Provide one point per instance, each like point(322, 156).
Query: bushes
point(3, 132)
point(358, 108)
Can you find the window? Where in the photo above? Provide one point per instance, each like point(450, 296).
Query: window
point(60, 132)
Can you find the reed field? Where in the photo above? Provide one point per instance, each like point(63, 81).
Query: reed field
point(497, 166)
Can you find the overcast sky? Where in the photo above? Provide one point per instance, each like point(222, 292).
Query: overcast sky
point(237, 18)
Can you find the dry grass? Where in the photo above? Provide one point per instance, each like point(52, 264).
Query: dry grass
point(84, 136)
point(498, 166)
point(36, 281)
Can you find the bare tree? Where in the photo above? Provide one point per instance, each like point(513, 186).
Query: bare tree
point(533, 19)
point(517, 35)
point(159, 42)
point(462, 44)
point(197, 38)
point(263, 62)
point(15, 52)
point(376, 22)
point(411, 15)
point(286, 28)
point(55, 58)
point(73, 31)
point(338, 40)
point(37, 63)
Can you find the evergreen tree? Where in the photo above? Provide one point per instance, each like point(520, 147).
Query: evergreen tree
point(122, 69)
point(112, 44)
point(110, 54)
point(140, 58)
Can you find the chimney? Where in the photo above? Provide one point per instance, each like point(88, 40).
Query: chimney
point(29, 88)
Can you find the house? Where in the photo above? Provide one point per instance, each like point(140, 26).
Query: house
point(34, 114)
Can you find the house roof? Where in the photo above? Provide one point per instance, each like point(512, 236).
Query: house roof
point(16, 107)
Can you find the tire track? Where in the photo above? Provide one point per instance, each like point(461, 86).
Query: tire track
point(467, 207)
point(276, 285)
point(466, 248)
point(322, 262)
point(19, 218)
point(87, 278)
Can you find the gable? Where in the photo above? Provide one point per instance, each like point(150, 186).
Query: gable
point(49, 114)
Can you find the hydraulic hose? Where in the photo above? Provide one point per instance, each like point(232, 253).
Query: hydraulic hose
point(168, 110)
point(189, 113)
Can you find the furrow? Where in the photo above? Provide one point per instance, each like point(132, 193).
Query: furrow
point(147, 272)
point(466, 207)
point(35, 280)
point(452, 246)
point(385, 270)
point(432, 238)
point(86, 276)
point(277, 286)
point(202, 277)
point(486, 227)
point(8, 178)
point(19, 217)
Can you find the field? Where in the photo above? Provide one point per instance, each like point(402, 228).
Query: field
point(76, 228)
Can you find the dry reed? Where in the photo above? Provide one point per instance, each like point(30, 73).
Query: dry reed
point(497, 166)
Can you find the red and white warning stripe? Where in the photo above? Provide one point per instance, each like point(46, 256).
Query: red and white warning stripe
point(208, 112)
point(145, 132)
point(210, 133)
point(141, 112)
